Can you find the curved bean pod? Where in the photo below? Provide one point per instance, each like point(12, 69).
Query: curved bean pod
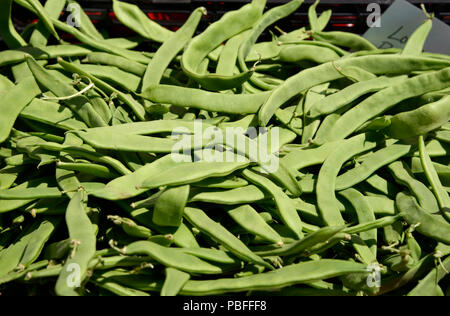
point(175, 280)
point(170, 206)
point(371, 164)
point(326, 183)
point(82, 234)
point(170, 49)
point(420, 121)
point(376, 64)
point(416, 42)
point(433, 177)
point(131, 16)
point(246, 194)
point(266, 20)
point(344, 39)
point(135, 106)
point(430, 225)
point(285, 206)
point(231, 24)
point(290, 275)
point(40, 35)
point(298, 248)
point(386, 99)
point(9, 34)
point(21, 95)
point(203, 100)
point(368, 248)
point(251, 221)
point(216, 231)
point(344, 97)
point(171, 258)
point(299, 53)
point(402, 174)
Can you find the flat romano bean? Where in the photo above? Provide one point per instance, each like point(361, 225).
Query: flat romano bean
point(30, 193)
point(152, 176)
point(310, 126)
point(316, 24)
point(182, 236)
point(231, 24)
point(217, 232)
point(344, 97)
point(85, 24)
point(306, 157)
point(203, 100)
point(175, 280)
point(170, 205)
point(128, 143)
point(435, 149)
point(376, 64)
point(115, 76)
point(170, 49)
point(154, 127)
point(8, 176)
point(131, 16)
point(21, 95)
point(228, 56)
point(80, 104)
point(416, 42)
point(36, 244)
point(171, 258)
point(246, 194)
point(252, 222)
point(443, 171)
point(290, 275)
point(371, 164)
point(96, 170)
point(53, 114)
point(432, 226)
point(379, 223)
point(130, 66)
point(326, 183)
point(118, 289)
point(429, 286)
point(213, 255)
point(443, 136)
point(344, 39)
point(299, 247)
point(381, 205)
point(433, 178)
point(44, 17)
point(131, 228)
point(263, 51)
point(365, 214)
point(420, 121)
point(285, 206)
point(9, 34)
point(403, 175)
point(227, 183)
point(385, 99)
point(263, 23)
point(332, 47)
point(83, 244)
point(300, 53)
point(135, 106)
point(11, 205)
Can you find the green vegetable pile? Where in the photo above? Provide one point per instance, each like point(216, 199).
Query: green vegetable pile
point(104, 191)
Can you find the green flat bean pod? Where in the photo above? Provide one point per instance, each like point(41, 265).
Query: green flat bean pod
point(293, 274)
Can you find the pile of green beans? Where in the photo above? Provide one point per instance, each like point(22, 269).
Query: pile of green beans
point(93, 201)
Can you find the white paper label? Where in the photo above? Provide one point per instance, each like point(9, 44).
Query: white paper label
point(400, 21)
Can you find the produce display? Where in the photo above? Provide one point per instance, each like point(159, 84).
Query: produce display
point(237, 160)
